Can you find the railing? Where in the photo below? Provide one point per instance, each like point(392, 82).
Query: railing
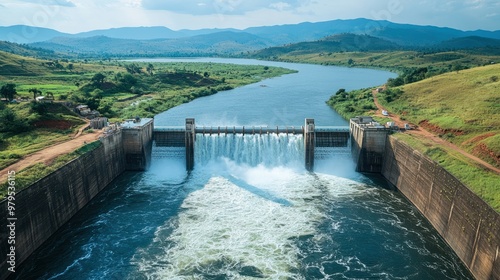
point(250, 129)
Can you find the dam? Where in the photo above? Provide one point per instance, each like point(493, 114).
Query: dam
point(257, 212)
point(168, 136)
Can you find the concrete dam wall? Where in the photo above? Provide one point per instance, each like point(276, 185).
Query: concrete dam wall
point(469, 225)
point(45, 206)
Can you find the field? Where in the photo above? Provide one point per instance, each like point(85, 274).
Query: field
point(399, 61)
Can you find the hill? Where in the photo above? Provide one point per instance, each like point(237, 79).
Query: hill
point(401, 34)
point(16, 65)
point(461, 106)
point(23, 34)
point(148, 33)
point(222, 43)
point(330, 44)
point(475, 44)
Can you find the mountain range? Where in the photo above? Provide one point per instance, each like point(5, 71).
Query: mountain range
point(156, 41)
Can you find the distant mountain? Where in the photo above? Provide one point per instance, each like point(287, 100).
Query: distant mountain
point(147, 33)
point(470, 42)
point(23, 34)
point(474, 44)
point(137, 33)
point(403, 34)
point(335, 43)
point(28, 51)
point(307, 31)
point(226, 42)
point(164, 41)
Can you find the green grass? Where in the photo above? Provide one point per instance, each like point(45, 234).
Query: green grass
point(15, 145)
point(465, 105)
point(460, 106)
point(397, 60)
point(482, 182)
point(353, 103)
point(30, 175)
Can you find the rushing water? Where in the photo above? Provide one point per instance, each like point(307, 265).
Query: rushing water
point(249, 210)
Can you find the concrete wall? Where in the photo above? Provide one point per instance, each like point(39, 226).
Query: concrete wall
point(46, 205)
point(466, 222)
point(137, 144)
point(367, 145)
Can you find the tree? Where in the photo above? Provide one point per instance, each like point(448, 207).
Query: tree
point(38, 107)
point(35, 92)
point(340, 91)
point(133, 69)
point(8, 91)
point(150, 69)
point(98, 79)
point(70, 67)
point(10, 122)
point(206, 75)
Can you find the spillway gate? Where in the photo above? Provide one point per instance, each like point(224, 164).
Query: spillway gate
point(314, 136)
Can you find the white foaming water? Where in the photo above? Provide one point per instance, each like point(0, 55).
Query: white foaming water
point(243, 219)
point(266, 149)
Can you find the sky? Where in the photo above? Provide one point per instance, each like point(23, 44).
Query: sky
point(73, 16)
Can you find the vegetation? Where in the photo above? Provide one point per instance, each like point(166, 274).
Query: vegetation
point(30, 175)
point(412, 65)
point(480, 181)
point(462, 107)
point(120, 89)
point(353, 103)
point(117, 89)
point(29, 127)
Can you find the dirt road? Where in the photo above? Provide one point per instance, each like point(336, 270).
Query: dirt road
point(422, 133)
point(48, 154)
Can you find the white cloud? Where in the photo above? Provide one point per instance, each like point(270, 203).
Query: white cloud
point(210, 7)
point(280, 6)
point(196, 14)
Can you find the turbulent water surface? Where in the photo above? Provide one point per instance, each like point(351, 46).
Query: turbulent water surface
point(250, 210)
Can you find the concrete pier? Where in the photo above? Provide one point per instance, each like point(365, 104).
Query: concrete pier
point(309, 144)
point(368, 144)
point(137, 143)
point(190, 139)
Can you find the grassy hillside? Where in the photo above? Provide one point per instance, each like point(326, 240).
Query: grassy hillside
point(436, 62)
point(463, 107)
point(31, 128)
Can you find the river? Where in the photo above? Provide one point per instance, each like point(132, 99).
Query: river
point(242, 216)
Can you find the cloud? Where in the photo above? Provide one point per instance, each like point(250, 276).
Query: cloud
point(280, 6)
point(63, 3)
point(210, 7)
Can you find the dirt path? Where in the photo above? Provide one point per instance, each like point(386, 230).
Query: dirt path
point(422, 133)
point(50, 153)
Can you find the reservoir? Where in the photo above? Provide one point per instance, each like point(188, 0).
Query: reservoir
point(249, 209)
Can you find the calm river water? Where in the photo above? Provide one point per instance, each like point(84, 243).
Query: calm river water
point(249, 210)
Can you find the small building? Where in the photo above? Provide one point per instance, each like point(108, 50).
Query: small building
point(44, 99)
point(98, 123)
point(83, 110)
